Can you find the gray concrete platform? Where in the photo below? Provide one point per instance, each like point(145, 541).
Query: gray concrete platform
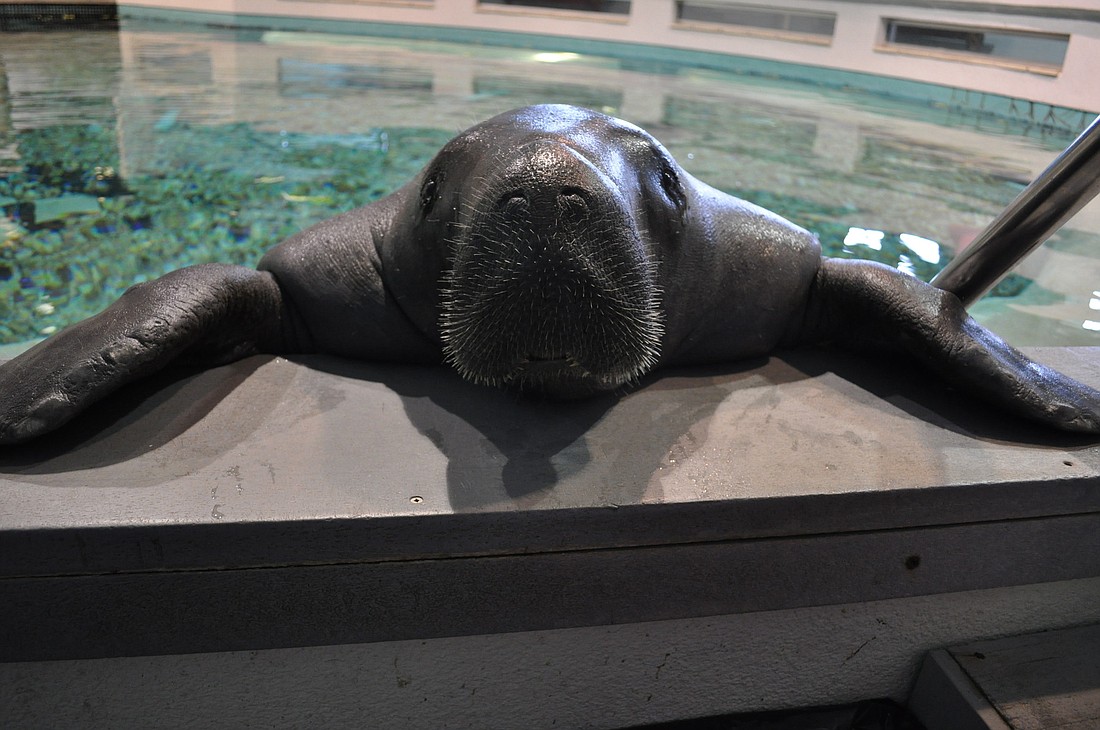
point(292, 543)
point(346, 503)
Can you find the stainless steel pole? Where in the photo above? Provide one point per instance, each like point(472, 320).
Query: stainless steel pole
point(1071, 181)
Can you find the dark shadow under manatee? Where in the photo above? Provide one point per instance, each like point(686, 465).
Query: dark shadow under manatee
point(500, 444)
point(529, 432)
point(486, 423)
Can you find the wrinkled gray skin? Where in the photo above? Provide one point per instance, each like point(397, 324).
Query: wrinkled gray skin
point(550, 249)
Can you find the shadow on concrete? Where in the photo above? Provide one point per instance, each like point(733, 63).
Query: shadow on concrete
point(502, 447)
point(926, 396)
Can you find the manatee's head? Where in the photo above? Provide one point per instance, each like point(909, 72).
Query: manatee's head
point(552, 218)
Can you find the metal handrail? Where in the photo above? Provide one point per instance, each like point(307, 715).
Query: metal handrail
point(1071, 181)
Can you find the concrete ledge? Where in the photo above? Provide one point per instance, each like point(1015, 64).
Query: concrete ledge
point(593, 677)
point(1029, 682)
point(346, 502)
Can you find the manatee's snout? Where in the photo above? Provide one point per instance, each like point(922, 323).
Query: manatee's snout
point(549, 204)
point(551, 287)
point(548, 181)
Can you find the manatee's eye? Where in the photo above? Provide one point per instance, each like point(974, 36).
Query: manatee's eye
point(670, 183)
point(428, 196)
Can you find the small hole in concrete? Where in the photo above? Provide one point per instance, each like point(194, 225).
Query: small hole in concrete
point(1067, 462)
point(416, 500)
point(912, 562)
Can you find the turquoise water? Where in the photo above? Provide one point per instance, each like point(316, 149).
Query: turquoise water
point(139, 151)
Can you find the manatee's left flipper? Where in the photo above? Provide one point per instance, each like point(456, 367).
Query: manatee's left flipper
point(207, 315)
point(864, 304)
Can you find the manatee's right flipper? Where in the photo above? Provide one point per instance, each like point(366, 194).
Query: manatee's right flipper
point(868, 305)
point(208, 315)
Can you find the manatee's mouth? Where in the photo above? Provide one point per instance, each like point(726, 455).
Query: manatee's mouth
point(560, 377)
point(492, 352)
point(536, 364)
point(554, 311)
point(557, 378)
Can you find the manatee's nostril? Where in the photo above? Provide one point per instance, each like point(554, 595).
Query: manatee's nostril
point(573, 196)
point(512, 197)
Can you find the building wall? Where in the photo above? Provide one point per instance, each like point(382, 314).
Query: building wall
point(857, 43)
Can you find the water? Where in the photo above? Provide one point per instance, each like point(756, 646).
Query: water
point(139, 151)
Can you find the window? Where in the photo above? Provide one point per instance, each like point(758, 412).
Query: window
point(766, 21)
point(1025, 50)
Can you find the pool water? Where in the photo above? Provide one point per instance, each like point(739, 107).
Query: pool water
point(141, 150)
